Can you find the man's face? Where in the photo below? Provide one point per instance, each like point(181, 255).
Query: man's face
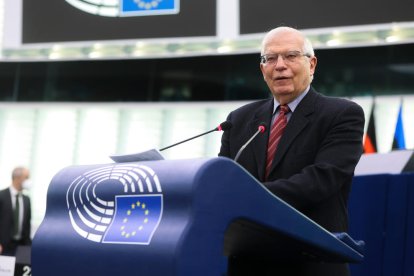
point(19, 180)
point(287, 72)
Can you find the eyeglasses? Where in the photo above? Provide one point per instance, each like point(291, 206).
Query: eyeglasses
point(290, 56)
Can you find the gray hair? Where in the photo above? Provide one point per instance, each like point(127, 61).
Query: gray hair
point(18, 172)
point(307, 45)
point(308, 48)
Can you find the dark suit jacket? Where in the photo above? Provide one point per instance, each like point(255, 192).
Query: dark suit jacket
point(7, 220)
point(316, 156)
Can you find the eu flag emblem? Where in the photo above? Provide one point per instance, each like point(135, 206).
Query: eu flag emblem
point(136, 219)
point(148, 7)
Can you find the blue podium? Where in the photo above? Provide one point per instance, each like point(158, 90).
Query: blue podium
point(180, 217)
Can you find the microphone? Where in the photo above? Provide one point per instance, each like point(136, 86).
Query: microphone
point(260, 129)
point(226, 125)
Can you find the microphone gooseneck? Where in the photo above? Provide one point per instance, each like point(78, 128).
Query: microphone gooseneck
point(226, 125)
point(260, 129)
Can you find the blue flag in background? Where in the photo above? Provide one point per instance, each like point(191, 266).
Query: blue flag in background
point(148, 7)
point(399, 140)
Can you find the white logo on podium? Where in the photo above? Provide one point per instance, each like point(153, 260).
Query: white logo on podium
point(121, 203)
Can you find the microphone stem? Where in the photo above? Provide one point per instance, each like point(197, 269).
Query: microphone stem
point(188, 139)
point(245, 145)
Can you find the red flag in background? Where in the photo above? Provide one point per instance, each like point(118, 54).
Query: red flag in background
point(370, 139)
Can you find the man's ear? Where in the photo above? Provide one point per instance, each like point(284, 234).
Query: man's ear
point(313, 61)
point(262, 70)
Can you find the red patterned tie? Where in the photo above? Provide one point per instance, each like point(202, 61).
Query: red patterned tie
point(276, 133)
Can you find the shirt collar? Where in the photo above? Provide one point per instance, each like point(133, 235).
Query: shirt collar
point(13, 191)
point(293, 104)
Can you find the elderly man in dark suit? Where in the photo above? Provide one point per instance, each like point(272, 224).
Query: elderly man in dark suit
point(309, 153)
point(15, 214)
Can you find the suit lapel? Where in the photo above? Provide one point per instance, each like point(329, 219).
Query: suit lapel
point(296, 124)
point(260, 142)
point(25, 205)
point(8, 199)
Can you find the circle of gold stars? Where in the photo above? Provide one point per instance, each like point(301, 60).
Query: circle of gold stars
point(135, 207)
point(145, 4)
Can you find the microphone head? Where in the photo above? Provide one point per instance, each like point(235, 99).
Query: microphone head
point(262, 127)
point(226, 125)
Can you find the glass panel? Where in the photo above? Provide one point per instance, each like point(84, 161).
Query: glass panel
point(53, 149)
point(180, 124)
point(97, 135)
point(17, 129)
point(140, 129)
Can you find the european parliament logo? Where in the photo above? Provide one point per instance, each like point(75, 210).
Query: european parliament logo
point(115, 8)
point(121, 203)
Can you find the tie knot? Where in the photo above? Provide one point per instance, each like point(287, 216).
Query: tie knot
point(284, 108)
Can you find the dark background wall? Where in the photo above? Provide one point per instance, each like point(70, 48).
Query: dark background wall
point(260, 16)
point(58, 21)
point(384, 70)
